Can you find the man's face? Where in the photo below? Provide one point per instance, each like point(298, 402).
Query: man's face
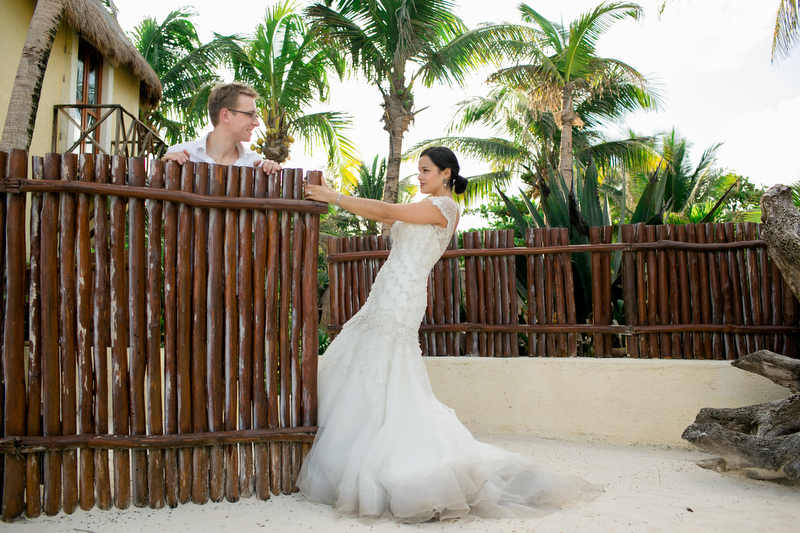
point(242, 124)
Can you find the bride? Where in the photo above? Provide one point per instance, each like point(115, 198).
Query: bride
point(386, 447)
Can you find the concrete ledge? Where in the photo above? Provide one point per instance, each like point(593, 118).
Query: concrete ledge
point(617, 401)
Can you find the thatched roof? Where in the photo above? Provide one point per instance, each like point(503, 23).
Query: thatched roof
point(95, 24)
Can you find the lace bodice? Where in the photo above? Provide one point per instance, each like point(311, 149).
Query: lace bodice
point(398, 297)
point(426, 242)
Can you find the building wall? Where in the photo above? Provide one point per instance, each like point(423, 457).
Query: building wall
point(119, 85)
point(617, 401)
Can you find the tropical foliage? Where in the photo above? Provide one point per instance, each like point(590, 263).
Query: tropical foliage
point(787, 29)
point(395, 44)
point(369, 184)
point(564, 70)
point(527, 138)
point(289, 68)
point(187, 69)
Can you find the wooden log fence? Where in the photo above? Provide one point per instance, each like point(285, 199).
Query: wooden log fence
point(696, 291)
point(159, 342)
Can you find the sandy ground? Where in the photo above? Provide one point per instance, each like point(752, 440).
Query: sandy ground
point(646, 489)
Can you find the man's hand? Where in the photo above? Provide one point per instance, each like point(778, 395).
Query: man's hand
point(269, 166)
point(178, 157)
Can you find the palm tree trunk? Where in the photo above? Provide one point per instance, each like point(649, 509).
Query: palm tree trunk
point(396, 117)
point(24, 102)
point(567, 119)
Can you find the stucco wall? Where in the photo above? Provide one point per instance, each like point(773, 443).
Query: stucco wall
point(617, 401)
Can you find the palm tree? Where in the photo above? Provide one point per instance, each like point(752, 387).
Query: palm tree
point(289, 69)
point(396, 43)
point(787, 28)
point(526, 139)
point(565, 71)
point(24, 102)
point(187, 70)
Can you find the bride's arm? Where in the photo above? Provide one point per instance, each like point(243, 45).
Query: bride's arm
point(416, 213)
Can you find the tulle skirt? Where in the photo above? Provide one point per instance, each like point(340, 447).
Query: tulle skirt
point(388, 449)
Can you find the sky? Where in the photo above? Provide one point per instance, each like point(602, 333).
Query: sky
point(708, 59)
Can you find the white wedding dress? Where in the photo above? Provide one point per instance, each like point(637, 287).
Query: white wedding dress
point(386, 447)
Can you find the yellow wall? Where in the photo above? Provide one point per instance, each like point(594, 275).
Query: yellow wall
point(119, 85)
point(618, 401)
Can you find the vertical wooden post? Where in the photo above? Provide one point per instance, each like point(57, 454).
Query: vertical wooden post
point(3, 198)
point(297, 325)
point(185, 333)
point(13, 338)
point(244, 288)
point(606, 234)
point(215, 338)
point(310, 324)
point(597, 303)
point(540, 282)
point(626, 232)
point(33, 496)
point(84, 300)
point(171, 390)
point(663, 294)
point(51, 380)
point(285, 331)
point(726, 289)
point(100, 338)
point(273, 341)
point(560, 264)
point(230, 350)
point(705, 299)
point(155, 458)
point(137, 287)
point(732, 234)
point(200, 413)
point(66, 252)
point(717, 340)
point(651, 281)
point(260, 339)
point(674, 295)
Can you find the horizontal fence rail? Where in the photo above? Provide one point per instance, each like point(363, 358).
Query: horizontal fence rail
point(698, 291)
point(159, 344)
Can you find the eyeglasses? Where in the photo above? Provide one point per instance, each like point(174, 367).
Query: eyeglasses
point(252, 114)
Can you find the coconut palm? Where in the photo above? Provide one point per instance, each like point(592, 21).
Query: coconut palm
point(396, 43)
point(187, 70)
point(787, 29)
point(526, 140)
point(289, 69)
point(24, 101)
point(565, 71)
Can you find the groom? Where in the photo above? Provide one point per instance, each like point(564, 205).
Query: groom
point(233, 113)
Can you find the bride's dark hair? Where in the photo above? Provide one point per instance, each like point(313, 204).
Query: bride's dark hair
point(443, 158)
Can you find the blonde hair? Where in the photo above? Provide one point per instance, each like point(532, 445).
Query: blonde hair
point(226, 96)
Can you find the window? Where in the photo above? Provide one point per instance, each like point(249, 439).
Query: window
point(89, 85)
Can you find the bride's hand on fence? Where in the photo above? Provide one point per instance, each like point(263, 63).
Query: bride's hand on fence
point(319, 193)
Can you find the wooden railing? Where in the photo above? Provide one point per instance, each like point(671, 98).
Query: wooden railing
point(131, 137)
point(166, 319)
point(699, 291)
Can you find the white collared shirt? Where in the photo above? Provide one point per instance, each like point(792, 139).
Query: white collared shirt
point(198, 154)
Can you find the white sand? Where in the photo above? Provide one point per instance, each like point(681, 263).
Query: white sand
point(646, 489)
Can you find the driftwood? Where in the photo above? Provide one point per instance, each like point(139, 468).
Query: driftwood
point(781, 233)
point(764, 439)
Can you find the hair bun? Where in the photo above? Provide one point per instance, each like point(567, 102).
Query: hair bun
point(460, 184)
